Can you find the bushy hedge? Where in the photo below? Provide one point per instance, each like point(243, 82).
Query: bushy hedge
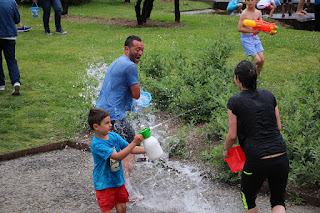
point(198, 88)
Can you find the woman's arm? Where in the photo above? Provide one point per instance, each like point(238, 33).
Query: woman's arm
point(232, 134)
point(278, 117)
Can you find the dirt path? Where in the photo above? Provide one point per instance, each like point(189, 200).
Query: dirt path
point(61, 181)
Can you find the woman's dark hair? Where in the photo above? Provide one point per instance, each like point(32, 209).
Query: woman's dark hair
point(130, 40)
point(247, 73)
point(96, 115)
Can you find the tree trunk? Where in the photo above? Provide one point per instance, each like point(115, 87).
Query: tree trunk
point(176, 11)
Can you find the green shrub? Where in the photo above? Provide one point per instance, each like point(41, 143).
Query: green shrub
point(197, 89)
point(194, 86)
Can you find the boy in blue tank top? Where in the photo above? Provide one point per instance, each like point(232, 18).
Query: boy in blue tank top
point(108, 150)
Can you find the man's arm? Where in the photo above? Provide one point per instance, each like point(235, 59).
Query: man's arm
point(135, 91)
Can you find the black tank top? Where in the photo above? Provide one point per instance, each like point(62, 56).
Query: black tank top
point(257, 127)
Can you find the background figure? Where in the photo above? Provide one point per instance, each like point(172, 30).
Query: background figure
point(254, 119)
point(23, 28)
point(234, 5)
point(9, 17)
point(46, 6)
point(267, 5)
point(317, 14)
point(65, 6)
point(284, 2)
point(300, 10)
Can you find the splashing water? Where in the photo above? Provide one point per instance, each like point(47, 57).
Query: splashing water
point(166, 186)
point(171, 186)
point(93, 81)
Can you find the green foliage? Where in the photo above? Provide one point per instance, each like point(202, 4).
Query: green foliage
point(198, 87)
point(300, 112)
point(178, 144)
point(194, 86)
point(214, 158)
point(297, 200)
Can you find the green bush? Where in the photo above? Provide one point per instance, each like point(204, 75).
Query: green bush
point(194, 86)
point(197, 89)
point(300, 112)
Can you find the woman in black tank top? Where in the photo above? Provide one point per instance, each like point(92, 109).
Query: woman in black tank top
point(254, 119)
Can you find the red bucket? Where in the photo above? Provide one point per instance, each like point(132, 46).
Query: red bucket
point(236, 159)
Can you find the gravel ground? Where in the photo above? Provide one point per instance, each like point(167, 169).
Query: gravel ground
point(61, 182)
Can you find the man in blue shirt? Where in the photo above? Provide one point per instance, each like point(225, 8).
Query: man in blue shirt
point(9, 17)
point(120, 85)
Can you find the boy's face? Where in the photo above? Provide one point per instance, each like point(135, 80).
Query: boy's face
point(251, 2)
point(104, 127)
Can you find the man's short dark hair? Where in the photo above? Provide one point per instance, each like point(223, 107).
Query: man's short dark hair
point(130, 39)
point(96, 115)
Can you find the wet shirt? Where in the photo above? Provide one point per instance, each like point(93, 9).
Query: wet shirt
point(107, 173)
point(257, 127)
point(115, 95)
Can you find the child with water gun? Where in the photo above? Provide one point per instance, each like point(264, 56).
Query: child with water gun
point(249, 39)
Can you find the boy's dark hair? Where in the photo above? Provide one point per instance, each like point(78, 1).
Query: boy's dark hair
point(130, 40)
point(96, 115)
point(247, 73)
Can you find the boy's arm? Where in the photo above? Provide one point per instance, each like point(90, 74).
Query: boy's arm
point(242, 28)
point(119, 156)
point(138, 150)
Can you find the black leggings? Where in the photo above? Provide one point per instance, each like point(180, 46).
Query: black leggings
point(275, 170)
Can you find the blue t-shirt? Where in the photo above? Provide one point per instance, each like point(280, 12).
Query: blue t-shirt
point(107, 172)
point(115, 95)
point(316, 2)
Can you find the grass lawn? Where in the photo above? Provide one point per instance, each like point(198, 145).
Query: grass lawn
point(54, 68)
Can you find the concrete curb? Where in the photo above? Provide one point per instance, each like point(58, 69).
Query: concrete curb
point(44, 148)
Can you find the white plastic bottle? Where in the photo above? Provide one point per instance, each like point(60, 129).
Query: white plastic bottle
point(151, 144)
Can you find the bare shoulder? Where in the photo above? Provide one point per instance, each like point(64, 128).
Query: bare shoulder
point(258, 14)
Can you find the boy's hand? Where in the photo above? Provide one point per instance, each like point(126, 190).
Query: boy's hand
point(138, 139)
point(256, 32)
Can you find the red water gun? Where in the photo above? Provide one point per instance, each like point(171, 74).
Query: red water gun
point(261, 26)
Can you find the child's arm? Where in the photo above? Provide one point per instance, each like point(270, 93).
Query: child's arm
point(138, 150)
point(242, 28)
point(119, 156)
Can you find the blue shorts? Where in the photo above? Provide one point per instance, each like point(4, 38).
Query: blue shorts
point(251, 44)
